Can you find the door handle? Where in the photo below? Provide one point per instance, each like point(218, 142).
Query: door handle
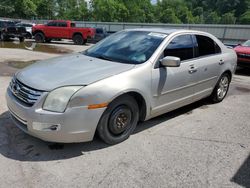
point(221, 62)
point(192, 69)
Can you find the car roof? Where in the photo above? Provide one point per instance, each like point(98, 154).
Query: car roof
point(60, 21)
point(25, 23)
point(5, 20)
point(166, 31)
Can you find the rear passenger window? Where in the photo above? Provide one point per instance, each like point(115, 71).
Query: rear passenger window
point(62, 24)
point(182, 47)
point(206, 46)
point(52, 24)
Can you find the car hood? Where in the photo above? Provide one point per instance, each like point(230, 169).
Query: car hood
point(242, 49)
point(75, 69)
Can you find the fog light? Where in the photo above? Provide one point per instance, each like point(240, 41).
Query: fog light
point(45, 126)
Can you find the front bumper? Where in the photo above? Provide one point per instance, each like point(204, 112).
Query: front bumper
point(76, 124)
point(15, 35)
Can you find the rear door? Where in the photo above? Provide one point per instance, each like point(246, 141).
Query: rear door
point(51, 30)
point(208, 64)
point(63, 30)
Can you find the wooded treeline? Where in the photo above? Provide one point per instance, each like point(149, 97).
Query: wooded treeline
point(162, 11)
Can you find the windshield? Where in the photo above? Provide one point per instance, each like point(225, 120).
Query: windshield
point(133, 47)
point(8, 24)
point(247, 43)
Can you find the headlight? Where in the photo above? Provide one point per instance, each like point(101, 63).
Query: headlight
point(57, 100)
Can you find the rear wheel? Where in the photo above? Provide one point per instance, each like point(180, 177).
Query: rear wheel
point(78, 39)
point(39, 37)
point(28, 35)
point(221, 88)
point(119, 120)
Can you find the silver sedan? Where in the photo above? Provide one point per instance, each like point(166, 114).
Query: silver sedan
point(130, 76)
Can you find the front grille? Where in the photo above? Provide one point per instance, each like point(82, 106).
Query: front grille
point(24, 93)
point(245, 56)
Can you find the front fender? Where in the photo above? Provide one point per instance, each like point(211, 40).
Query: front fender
point(137, 80)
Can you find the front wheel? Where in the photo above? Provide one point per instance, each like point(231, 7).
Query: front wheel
point(221, 88)
point(119, 120)
point(39, 37)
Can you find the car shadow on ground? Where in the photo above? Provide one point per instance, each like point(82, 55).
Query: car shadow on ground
point(242, 176)
point(17, 145)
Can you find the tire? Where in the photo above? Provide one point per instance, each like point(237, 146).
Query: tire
point(119, 120)
point(221, 88)
point(21, 39)
point(28, 35)
point(78, 39)
point(39, 37)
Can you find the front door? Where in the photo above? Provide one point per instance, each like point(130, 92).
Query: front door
point(173, 87)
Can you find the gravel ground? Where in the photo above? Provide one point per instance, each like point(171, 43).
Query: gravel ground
point(201, 145)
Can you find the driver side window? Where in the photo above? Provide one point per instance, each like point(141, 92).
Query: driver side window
point(181, 46)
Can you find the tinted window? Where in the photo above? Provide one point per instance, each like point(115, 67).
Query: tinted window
point(72, 25)
point(206, 46)
point(246, 44)
point(181, 46)
point(23, 25)
point(28, 25)
point(62, 24)
point(99, 30)
point(52, 24)
point(7, 24)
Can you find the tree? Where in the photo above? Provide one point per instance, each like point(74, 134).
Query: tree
point(46, 9)
point(24, 8)
point(212, 18)
point(168, 16)
point(226, 6)
point(139, 10)
point(176, 9)
point(6, 8)
point(72, 10)
point(228, 18)
point(245, 18)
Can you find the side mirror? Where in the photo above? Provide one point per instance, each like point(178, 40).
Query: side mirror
point(170, 61)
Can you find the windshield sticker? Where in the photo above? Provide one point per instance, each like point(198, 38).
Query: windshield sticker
point(159, 35)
